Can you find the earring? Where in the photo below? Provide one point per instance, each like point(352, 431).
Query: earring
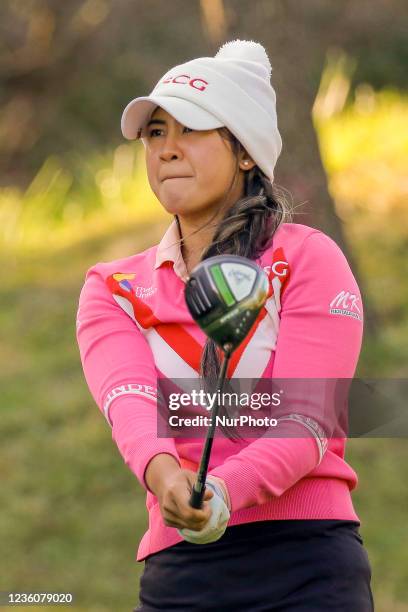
point(246, 163)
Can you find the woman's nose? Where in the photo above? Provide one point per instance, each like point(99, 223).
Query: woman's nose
point(170, 148)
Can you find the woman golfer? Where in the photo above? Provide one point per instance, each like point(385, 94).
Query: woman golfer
point(277, 530)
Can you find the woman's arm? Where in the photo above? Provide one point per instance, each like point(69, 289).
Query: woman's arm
point(160, 469)
point(120, 371)
point(119, 368)
point(318, 338)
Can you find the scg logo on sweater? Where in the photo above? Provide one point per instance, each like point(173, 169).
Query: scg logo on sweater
point(345, 303)
point(278, 268)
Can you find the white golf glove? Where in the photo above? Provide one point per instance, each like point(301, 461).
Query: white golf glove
point(217, 523)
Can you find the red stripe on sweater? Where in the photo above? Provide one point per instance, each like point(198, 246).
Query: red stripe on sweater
point(174, 334)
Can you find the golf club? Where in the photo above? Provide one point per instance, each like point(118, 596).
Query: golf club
point(224, 295)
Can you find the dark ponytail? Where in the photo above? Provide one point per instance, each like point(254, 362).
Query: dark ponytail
point(246, 229)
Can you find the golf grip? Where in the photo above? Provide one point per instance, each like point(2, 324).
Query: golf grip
point(197, 494)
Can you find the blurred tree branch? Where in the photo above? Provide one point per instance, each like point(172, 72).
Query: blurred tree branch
point(214, 20)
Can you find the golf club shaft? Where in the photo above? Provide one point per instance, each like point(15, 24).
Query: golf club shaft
point(197, 494)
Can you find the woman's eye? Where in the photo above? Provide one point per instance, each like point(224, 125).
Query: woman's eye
point(156, 131)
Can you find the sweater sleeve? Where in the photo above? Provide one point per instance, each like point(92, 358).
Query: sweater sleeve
point(120, 372)
point(320, 335)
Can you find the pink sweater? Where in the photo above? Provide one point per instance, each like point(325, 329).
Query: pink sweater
point(133, 326)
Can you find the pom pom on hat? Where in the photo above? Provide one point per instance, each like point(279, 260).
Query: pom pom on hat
point(245, 50)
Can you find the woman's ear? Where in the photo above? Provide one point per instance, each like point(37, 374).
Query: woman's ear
point(245, 160)
point(246, 163)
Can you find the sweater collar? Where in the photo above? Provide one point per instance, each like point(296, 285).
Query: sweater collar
point(169, 249)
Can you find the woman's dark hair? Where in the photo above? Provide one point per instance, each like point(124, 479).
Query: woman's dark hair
point(246, 229)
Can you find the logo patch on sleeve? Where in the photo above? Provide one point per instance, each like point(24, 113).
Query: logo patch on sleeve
point(345, 303)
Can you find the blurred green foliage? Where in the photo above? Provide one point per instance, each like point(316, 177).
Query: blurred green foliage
point(59, 207)
point(72, 513)
point(73, 193)
point(365, 152)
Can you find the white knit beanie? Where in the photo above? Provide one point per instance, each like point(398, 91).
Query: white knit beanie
point(232, 89)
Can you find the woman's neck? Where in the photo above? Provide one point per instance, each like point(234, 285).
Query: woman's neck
point(197, 236)
point(198, 231)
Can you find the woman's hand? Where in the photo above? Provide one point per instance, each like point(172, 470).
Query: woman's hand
point(220, 515)
point(172, 486)
point(174, 501)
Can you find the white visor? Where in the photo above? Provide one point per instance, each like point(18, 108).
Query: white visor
point(138, 112)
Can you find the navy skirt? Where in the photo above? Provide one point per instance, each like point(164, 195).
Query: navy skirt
point(285, 566)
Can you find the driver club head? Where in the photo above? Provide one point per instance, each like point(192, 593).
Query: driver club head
point(224, 295)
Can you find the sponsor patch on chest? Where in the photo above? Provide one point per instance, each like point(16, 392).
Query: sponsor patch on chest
point(139, 291)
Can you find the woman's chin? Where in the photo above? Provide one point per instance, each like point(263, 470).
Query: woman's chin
point(182, 206)
point(174, 202)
